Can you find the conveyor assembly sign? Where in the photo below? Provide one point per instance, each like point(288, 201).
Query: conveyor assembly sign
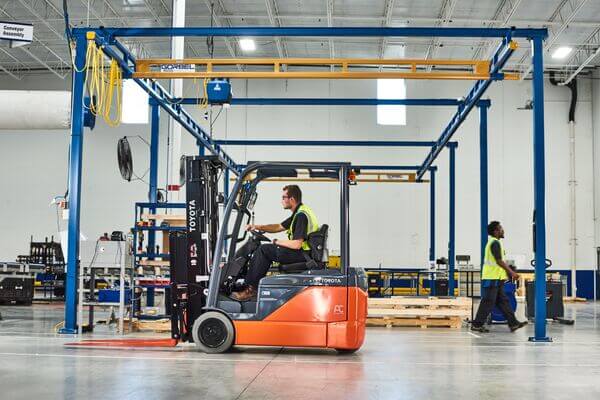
point(16, 31)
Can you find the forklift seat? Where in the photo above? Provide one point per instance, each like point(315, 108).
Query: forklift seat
point(318, 253)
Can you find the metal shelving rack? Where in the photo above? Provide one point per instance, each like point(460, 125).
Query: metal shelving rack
point(144, 250)
point(149, 251)
point(118, 271)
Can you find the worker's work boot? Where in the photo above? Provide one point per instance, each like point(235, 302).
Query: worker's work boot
point(481, 329)
point(518, 326)
point(245, 294)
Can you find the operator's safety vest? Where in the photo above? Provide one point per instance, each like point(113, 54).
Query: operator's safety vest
point(491, 269)
point(313, 224)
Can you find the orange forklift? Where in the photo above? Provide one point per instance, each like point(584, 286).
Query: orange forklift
point(305, 304)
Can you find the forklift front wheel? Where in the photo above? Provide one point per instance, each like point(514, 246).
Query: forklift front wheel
point(213, 332)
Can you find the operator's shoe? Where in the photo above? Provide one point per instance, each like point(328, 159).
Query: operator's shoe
point(518, 326)
point(481, 329)
point(245, 294)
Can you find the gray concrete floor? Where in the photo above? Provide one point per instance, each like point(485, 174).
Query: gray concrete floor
point(397, 363)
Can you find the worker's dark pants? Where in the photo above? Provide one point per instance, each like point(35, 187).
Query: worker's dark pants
point(265, 255)
point(494, 295)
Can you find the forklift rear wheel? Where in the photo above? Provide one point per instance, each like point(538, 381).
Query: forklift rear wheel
point(213, 332)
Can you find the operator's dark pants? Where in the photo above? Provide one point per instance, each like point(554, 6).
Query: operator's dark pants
point(493, 294)
point(265, 255)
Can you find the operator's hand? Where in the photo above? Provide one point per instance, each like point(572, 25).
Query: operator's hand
point(250, 227)
point(514, 276)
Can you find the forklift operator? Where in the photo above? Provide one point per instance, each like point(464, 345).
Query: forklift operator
point(299, 225)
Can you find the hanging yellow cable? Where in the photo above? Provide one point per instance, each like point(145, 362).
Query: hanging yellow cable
point(104, 88)
point(204, 102)
point(94, 77)
point(115, 82)
point(101, 81)
point(87, 55)
point(198, 99)
point(89, 68)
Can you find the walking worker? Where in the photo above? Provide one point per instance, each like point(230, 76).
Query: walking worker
point(495, 273)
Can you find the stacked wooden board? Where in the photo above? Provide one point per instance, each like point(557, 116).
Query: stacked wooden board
point(424, 312)
point(157, 326)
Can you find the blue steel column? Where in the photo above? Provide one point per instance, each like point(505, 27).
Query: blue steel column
point(431, 230)
point(539, 196)
point(75, 161)
point(483, 176)
point(153, 183)
point(432, 215)
point(452, 221)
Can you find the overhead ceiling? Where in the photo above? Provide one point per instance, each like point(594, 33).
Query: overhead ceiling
point(574, 23)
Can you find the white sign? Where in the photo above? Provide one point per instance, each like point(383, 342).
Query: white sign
point(16, 32)
point(178, 68)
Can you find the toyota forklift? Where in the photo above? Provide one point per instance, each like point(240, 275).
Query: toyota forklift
point(306, 304)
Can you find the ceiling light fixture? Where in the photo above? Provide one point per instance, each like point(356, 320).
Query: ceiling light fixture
point(247, 44)
point(562, 52)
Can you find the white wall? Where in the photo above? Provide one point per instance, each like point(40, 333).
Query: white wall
point(389, 222)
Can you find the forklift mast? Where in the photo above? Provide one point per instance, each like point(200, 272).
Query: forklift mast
point(192, 251)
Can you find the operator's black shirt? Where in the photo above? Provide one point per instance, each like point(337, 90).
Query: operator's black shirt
point(300, 225)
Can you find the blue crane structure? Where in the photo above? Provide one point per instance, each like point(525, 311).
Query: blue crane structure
point(108, 39)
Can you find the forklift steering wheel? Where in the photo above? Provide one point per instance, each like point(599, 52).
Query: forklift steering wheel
point(258, 235)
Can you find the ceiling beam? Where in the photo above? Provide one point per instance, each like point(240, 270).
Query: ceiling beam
point(565, 13)
point(150, 9)
point(24, 49)
point(330, 24)
point(40, 19)
point(218, 23)
point(139, 46)
point(505, 11)
point(45, 64)
point(444, 17)
point(272, 12)
point(582, 56)
point(389, 10)
point(20, 65)
point(156, 18)
point(10, 73)
point(456, 21)
point(54, 8)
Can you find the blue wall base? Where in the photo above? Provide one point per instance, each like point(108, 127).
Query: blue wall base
point(585, 282)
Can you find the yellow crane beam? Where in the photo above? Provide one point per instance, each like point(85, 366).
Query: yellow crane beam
point(343, 68)
point(367, 177)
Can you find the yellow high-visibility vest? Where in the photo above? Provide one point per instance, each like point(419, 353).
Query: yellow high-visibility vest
point(491, 269)
point(313, 224)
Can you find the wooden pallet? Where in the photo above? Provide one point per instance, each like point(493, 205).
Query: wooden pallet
point(158, 326)
point(571, 299)
point(154, 263)
point(163, 217)
point(419, 311)
point(422, 322)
